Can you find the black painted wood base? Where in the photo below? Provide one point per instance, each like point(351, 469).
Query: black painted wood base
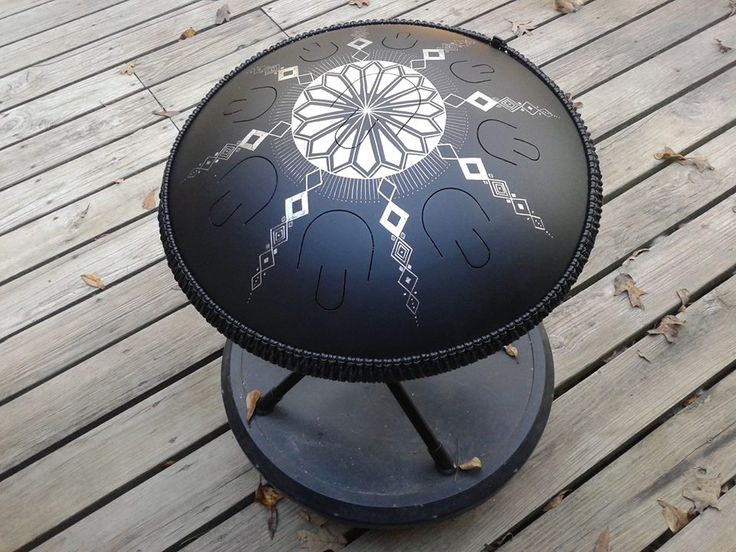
point(348, 451)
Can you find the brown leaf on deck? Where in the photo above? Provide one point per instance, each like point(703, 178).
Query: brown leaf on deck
point(684, 296)
point(700, 161)
point(512, 351)
point(149, 202)
point(321, 541)
point(313, 517)
point(668, 154)
point(634, 255)
point(166, 113)
point(642, 355)
point(576, 105)
point(703, 493)
point(251, 401)
point(603, 542)
point(359, 3)
point(93, 280)
point(127, 69)
point(567, 6)
point(269, 498)
point(675, 517)
point(722, 47)
point(521, 28)
point(188, 33)
point(473, 464)
point(625, 283)
point(555, 501)
point(669, 327)
point(222, 15)
point(118, 181)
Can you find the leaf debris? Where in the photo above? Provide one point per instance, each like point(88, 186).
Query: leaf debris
point(313, 517)
point(521, 28)
point(699, 161)
point(473, 464)
point(189, 32)
point(625, 283)
point(603, 541)
point(512, 351)
point(118, 181)
point(576, 104)
point(269, 498)
point(149, 202)
point(93, 280)
point(669, 327)
point(722, 47)
point(642, 355)
point(321, 541)
point(127, 69)
point(555, 501)
point(251, 401)
point(684, 296)
point(359, 3)
point(166, 113)
point(567, 6)
point(675, 517)
point(703, 493)
point(634, 255)
point(222, 15)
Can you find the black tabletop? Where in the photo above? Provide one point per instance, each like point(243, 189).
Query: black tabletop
point(380, 201)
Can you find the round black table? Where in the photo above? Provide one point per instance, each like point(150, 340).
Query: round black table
point(383, 202)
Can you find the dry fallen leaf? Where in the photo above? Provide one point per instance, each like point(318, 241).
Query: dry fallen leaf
point(118, 181)
point(512, 351)
point(642, 355)
point(722, 47)
point(149, 202)
point(359, 3)
point(555, 501)
point(314, 518)
point(321, 541)
point(188, 33)
point(576, 105)
point(567, 6)
point(166, 113)
point(93, 280)
point(625, 283)
point(521, 28)
point(684, 296)
point(668, 154)
point(704, 493)
point(251, 401)
point(128, 68)
point(222, 15)
point(669, 327)
point(634, 255)
point(269, 497)
point(700, 161)
point(675, 517)
point(473, 464)
point(603, 542)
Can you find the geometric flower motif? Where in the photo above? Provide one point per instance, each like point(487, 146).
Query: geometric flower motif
point(368, 119)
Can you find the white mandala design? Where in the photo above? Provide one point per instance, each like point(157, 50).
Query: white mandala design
point(368, 119)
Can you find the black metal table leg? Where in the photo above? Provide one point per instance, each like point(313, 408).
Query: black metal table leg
point(271, 398)
point(437, 450)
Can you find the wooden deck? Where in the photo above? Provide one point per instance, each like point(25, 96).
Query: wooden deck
point(112, 430)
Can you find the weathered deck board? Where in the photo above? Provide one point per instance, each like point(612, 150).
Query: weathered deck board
point(697, 442)
point(133, 442)
point(713, 530)
point(113, 346)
